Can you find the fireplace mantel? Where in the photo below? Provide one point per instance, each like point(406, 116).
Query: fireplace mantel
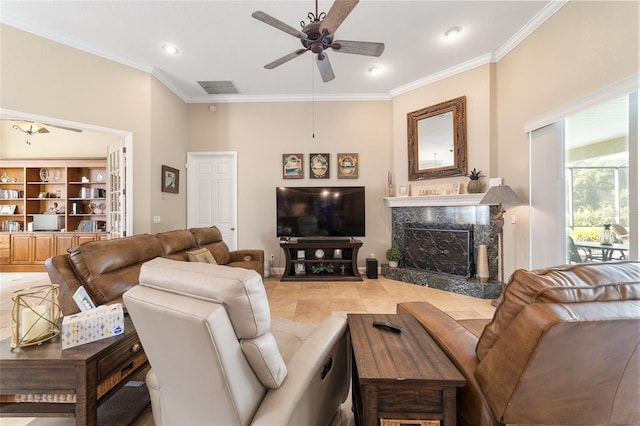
point(434, 200)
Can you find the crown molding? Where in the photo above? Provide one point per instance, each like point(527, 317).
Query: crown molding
point(444, 74)
point(547, 12)
point(16, 23)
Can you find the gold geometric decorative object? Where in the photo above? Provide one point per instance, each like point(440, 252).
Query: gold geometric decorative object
point(35, 315)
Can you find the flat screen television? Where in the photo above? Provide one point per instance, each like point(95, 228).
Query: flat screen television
point(323, 211)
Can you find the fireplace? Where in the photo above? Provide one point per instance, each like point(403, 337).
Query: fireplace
point(439, 244)
point(444, 249)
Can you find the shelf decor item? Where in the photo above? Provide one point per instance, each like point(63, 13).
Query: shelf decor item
point(44, 174)
point(475, 185)
point(35, 315)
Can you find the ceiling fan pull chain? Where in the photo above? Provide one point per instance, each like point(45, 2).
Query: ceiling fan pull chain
point(313, 101)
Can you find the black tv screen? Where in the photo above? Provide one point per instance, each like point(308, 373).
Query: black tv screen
point(334, 211)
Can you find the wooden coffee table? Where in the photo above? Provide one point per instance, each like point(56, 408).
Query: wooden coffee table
point(69, 382)
point(400, 376)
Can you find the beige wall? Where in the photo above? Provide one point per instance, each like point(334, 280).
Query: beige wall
point(168, 147)
point(262, 132)
point(476, 86)
point(583, 48)
point(49, 79)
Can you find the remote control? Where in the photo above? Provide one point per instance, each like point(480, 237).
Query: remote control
point(388, 326)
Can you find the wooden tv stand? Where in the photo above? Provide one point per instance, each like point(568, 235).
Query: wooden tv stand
point(304, 255)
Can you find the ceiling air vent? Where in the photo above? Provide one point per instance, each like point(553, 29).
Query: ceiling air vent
point(219, 87)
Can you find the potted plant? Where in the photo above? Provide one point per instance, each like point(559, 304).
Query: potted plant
point(475, 185)
point(393, 256)
point(322, 268)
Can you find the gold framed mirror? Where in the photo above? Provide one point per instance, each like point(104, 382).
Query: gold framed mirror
point(437, 137)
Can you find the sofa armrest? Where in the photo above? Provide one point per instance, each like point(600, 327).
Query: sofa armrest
point(578, 360)
point(239, 255)
point(305, 397)
point(61, 273)
point(460, 346)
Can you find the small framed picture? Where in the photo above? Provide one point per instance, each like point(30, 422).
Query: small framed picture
point(292, 166)
point(348, 166)
point(337, 253)
point(403, 190)
point(170, 179)
point(300, 254)
point(8, 209)
point(300, 270)
point(455, 188)
point(319, 166)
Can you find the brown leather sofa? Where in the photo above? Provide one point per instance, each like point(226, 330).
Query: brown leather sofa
point(563, 347)
point(108, 268)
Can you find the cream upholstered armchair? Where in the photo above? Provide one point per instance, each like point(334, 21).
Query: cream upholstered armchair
point(217, 356)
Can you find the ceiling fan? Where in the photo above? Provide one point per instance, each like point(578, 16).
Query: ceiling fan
point(31, 128)
point(317, 36)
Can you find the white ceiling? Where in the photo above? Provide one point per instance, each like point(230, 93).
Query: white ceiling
point(219, 40)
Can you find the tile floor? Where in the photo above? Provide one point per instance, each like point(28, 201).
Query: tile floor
point(299, 301)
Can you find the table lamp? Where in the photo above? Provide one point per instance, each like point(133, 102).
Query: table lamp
point(500, 194)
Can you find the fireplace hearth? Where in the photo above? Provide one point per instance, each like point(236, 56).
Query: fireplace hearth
point(439, 244)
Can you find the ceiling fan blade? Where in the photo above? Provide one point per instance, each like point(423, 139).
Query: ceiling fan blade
point(358, 47)
point(285, 58)
point(71, 129)
point(276, 23)
point(324, 66)
point(337, 14)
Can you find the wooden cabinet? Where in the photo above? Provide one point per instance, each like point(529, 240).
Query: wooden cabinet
point(5, 249)
point(31, 248)
point(321, 260)
point(75, 190)
point(68, 240)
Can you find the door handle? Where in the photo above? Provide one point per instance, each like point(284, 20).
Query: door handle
point(232, 229)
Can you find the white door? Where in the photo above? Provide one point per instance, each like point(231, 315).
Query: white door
point(116, 194)
point(212, 193)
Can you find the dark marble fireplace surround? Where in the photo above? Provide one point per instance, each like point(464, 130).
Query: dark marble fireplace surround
point(433, 242)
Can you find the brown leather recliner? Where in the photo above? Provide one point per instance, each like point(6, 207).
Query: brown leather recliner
point(562, 348)
point(108, 268)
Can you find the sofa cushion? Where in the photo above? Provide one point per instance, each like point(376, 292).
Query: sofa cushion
point(201, 255)
point(176, 241)
point(109, 268)
point(243, 295)
point(211, 239)
point(565, 284)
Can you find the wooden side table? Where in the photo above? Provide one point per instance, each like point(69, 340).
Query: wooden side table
point(400, 376)
point(47, 381)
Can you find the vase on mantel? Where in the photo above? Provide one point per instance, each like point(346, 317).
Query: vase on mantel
point(475, 185)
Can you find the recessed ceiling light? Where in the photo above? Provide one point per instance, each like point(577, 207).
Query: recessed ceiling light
point(453, 33)
point(170, 49)
point(377, 70)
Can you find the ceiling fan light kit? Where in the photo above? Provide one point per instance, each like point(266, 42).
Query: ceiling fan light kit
point(318, 35)
point(453, 33)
